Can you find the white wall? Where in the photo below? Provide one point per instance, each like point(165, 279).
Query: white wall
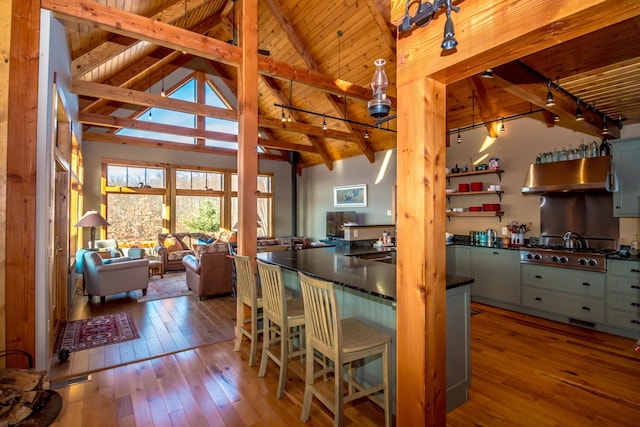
point(94, 152)
point(516, 148)
point(315, 191)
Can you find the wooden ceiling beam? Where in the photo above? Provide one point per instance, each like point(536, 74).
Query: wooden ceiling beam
point(146, 99)
point(287, 146)
point(520, 80)
point(119, 44)
point(306, 129)
point(485, 109)
point(380, 11)
point(155, 143)
point(126, 123)
point(143, 28)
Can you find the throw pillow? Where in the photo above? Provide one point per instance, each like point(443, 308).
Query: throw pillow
point(172, 244)
point(202, 241)
point(226, 236)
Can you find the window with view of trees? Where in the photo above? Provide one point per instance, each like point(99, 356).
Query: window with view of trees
point(140, 206)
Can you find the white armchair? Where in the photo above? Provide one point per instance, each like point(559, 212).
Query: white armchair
point(114, 276)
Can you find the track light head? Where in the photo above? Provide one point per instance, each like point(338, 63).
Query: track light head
point(324, 123)
point(487, 74)
point(550, 101)
point(579, 116)
point(283, 118)
point(459, 137)
point(366, 133)
point(502, 128)
point(449, 41)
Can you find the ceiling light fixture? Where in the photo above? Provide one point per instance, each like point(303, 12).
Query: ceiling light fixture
point(487, 74)
point(579, 116)
point(556, 118)
point(550, 101)
point(342, 119)
point(283, 118)
point(423, 15)
point(502, 129)
point(366, 133)
point(324, 123)
point(379, 106)
point(162, 92)
point(459, 137)
point(449, 40)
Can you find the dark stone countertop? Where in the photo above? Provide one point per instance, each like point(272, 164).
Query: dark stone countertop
point(371, 277)
point(617, 256)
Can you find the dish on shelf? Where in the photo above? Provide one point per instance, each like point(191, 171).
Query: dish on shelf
point(475, 208)
point(463, 188)
point(491, 207)
point(450, 190)
point(476, 186)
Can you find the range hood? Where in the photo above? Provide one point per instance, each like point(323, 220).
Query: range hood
point(588, 174)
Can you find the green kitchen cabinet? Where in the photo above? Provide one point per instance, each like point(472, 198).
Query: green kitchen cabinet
point(626, 158)
point(623, 295)
point(496, 274)
point(463, 261)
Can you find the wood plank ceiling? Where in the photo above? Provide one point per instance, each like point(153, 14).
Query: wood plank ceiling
point(339, 42)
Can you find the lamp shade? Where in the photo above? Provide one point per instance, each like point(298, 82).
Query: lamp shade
point(91, 219)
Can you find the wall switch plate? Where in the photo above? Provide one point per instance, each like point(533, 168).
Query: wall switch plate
point(389, 213)
point(504, 231)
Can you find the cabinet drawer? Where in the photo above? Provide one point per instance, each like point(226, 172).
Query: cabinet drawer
point(624, 319)
point(625, 285)
point(573, 306)
point(564, 280)
point(624, 302)
point(624, 268)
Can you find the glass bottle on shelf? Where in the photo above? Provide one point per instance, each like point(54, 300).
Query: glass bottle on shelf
point(593, 150)
point(563, 155)
point(604, 148)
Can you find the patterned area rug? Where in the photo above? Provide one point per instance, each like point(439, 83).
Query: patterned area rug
point(84, 334)
point(170, 286)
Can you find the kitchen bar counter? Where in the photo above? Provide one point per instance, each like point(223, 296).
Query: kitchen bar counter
point(367, 290)
point(342, 266)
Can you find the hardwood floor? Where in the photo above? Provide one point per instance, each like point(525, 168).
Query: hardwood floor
point(526, 372)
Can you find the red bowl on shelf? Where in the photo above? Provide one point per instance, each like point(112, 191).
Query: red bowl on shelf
point(476, 186)
point(491, 207)
point(475, 208)
point(463, 188)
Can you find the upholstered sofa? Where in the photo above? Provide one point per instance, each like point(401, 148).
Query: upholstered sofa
point(109, 277)
point(175, 246)
point(209, 270)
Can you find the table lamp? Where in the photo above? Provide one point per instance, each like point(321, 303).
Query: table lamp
point(92, 219)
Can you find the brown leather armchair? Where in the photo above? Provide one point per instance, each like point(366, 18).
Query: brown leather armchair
point(209, 276)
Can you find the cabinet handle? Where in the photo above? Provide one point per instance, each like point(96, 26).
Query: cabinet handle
point(635, 270)
point(538, 299)
point(586, 308)
point(496, 253)
point(635, 304)
point(586, 284)
point(635, 287)
point(637, 322)
point(538, 276)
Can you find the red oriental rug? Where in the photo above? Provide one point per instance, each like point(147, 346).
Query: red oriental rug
point(95, 332)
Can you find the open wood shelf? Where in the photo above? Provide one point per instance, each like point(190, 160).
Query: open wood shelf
point(496, 171)
point(480, 213)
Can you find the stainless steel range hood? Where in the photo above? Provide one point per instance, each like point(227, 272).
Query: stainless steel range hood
point(571, 175)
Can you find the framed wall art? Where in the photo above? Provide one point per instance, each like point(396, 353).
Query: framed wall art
point(350, 196)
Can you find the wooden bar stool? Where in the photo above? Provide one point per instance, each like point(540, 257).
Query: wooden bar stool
point(343, 341)
point(283, 320)
point(247, 294)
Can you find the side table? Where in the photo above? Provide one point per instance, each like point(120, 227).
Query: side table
point(156, 267)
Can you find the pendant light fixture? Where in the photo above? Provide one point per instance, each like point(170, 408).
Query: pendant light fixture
point(324, 122)
point(502, 129)
point(150, 116)
point(449, 41)
point(487, 74)
point(162, 92)
point(459, 137)
point(366, 132)
point(605, 129)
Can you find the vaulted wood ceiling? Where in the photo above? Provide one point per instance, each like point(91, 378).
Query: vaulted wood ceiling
point(320, 60)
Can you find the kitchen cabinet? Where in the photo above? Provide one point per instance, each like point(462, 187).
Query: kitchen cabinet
point(496, 274)
point(623, 294)
point(459, 260)
point(626, 158)
point(498, 193)
point(575, 294)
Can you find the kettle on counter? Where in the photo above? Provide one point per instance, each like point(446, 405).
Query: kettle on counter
point(492, 237)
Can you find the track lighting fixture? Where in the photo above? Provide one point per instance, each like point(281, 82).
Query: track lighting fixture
point(162, 92)
point(502, 129)
point(579, 116)
point(459, 137)
point(550, 101)
point(283, 118)
point(150, 116)
point(556, 118)
point(324, 123)
point(487, 74)
point(366, 133)
point(449, 41)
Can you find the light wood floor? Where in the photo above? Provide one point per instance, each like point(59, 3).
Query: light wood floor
point(526, 372)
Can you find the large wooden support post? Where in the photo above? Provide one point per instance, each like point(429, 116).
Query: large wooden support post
point(421, 276)
point(248, 132)
point(21, 143)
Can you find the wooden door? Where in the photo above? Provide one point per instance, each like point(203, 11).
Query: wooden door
point(60, 287)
